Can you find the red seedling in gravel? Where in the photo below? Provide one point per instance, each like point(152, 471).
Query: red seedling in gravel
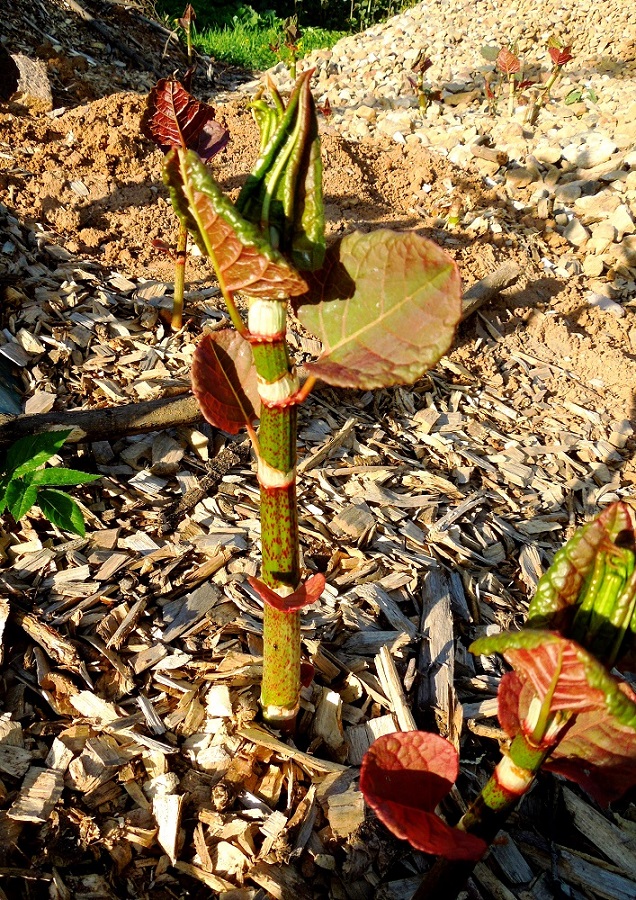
point(560, 55)
point(509, 64)
point(561, 706)
point(173, 118)
point(384, 306)
point(420, 66)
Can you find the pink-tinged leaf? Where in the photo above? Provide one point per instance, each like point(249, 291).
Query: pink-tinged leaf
point(224, 381)
point(560, 55)
point(385, 306)
point(507, 62)
point(306, 594)
point(174, 118)
point(599, 753)
point(241, 256)
point(559, 589)
point(598, 748)
point(187, 18)
point(403, 778)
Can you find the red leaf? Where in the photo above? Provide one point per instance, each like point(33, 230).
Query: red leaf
point(598, 747)
point(560, 55)
point(174, 118)
point(403, 778)
point(187, 18)
point(306, 594)
point(507, 62)
point(224, 381)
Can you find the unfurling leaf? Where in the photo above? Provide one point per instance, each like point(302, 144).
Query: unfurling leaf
point(242, 258)
point(404, 776)
point(589, 591)
point(385, 306)
point(597, 749)
point(559, 53)
point(507, 62)
point(305, 595)
point(187, 18)
point(174, 118)
point(224, 381)
point(283, 194)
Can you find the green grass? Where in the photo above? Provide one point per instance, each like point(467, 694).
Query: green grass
point(248, 47)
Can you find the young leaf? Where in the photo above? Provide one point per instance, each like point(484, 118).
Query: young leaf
point(305, 595)
point(61, 476)
point(385, 305)
point(174, 118)
point(61, 510)
point(29, 453)
point(559, 54)
point(187, 18)
point(507, 62)
point(490, 52)
point(559, 589)
point(598, 749)
point(403, 777)
point(19, 498)
point(242, 258)
point(224, 381)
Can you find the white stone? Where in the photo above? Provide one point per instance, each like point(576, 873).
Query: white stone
point(622, 221)
point(576, 233)
point(590, 154)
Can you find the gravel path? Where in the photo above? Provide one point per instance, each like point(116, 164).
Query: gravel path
point(574, 173)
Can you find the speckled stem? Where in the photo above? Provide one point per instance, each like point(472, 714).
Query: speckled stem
point(279, 516)
point(486, 816)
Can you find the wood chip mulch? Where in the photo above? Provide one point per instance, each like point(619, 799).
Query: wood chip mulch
point(133, 762)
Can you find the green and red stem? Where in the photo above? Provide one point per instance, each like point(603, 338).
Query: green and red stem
point(511, 780)
point(540, 102)
point(278, 386)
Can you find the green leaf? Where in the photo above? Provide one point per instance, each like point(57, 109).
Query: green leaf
point(224, 381)
point(30, 452)
point(62, 476)
point(20, 497)
point(385, 306)
point(61, 510)
point(490, 52)
point(242, 258)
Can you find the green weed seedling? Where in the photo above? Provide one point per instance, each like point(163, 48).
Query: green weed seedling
point(25, 483)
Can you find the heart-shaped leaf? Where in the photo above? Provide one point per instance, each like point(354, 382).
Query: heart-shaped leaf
point(306, 594)
point(385, 306)
point(242, 258)
point(403, 778)
point(224, 381)
point(598, 748)
point(507, 62)
point(174, 118)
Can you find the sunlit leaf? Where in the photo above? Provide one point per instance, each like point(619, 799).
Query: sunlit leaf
point(507, 62)
point(30, 452)
point(305, 595)
point(490, 52)
point(559, 54)
point(598, 747)
point(224, 381)
point(404, 776)
point(174, 118)
point(559, 589)
point(385, 306)
point(60, 476)
point(242, 258)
